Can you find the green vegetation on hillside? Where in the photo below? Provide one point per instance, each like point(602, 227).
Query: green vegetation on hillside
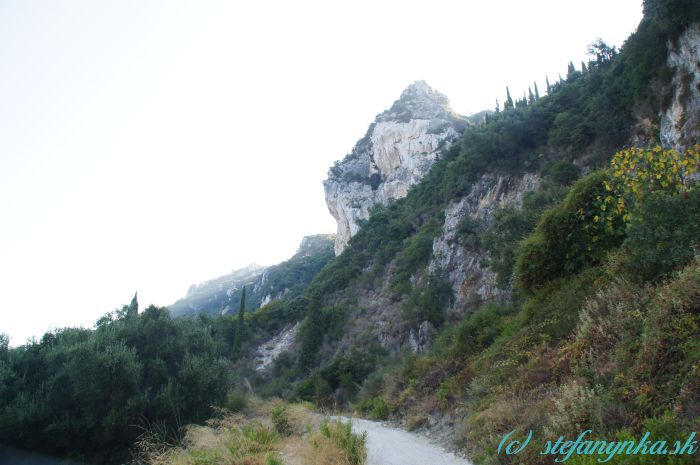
point(90, 394)
point(605, 337)
point(585, 118)
point(589, 115)
point(514, 366)
point(601, 330)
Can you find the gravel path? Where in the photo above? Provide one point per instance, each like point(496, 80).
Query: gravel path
point(393, 446)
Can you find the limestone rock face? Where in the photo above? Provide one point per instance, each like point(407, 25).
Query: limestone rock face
point(398, 150)
point(419, 340)
point(461, 263)
point(680, 122)
point(269, 350)
point(381, 320)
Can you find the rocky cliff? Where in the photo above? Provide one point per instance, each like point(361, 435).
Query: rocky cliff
point(680, 121)
point(381, 319)
point(398, 150)
point(418, 269)
point(462, 264)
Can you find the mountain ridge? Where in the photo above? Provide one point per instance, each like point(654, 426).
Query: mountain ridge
point(264, 283)
point(540, 276)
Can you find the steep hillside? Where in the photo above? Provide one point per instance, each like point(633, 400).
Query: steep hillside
point(438, 243)
point(444, 271)
point(532, 269)
point(213, 296)
point(398, 150)
point(285, 280)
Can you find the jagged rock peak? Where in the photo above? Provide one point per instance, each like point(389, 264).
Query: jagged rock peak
point(419, 101)
point(398, 149)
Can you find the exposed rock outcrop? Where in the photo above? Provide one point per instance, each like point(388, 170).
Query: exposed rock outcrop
point(397, 151)
point(462, 263)
point(381, 319)
point(419, 339)
point(680, 122)
point(268, 351)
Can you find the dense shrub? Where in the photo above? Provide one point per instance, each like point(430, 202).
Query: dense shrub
point(663, 233)
point(568, 237)
point(428, 303)
point(91, 393)
point(469, 232)
point(415, 253)
point(562, 172)
point(511, 225)
point(340, 378)
point(374, 407)
point(480, 329)
point(320, 324)
point(236, 401)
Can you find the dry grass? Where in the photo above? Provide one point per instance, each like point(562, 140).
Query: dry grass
point(254, 440)
point(320, 451)
point(231, 443)
point(334, 444)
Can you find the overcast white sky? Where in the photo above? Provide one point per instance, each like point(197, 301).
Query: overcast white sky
point(149, 145)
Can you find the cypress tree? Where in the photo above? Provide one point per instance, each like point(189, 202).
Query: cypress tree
point(311, 332)
point(549, 87)
point(530, 96)
point(508, 105)
point(240, 326)
point(583, 67)
point(537, 92)
point(133, 309)
point(498, 107)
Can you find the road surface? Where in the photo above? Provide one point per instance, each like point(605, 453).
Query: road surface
point(393, 446)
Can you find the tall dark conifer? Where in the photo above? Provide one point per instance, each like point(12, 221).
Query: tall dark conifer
point(133, 306)
point(508, 105)
point(240, 326)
